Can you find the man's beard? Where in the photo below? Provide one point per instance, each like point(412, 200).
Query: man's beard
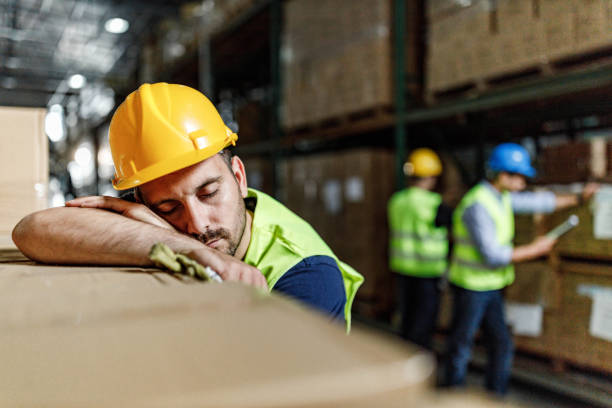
point(224, 233)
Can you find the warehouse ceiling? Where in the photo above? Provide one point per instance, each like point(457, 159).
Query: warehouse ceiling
point(43, 43)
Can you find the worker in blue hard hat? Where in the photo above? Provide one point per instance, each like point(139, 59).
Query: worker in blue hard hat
point(483, 256)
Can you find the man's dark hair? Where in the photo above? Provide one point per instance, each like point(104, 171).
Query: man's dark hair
point(227, 155)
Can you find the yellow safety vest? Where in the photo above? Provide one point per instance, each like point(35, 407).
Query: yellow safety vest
point(417, 247)
point(468, 268)
point(280, 240)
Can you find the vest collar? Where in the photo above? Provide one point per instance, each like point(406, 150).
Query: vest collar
point(490, 187)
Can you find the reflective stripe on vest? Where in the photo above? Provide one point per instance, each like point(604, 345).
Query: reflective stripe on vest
point(417, 247)
point(280, 239)
point(468, 268)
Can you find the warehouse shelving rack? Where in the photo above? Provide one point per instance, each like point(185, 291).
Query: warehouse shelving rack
point(506, 113)
point(498, 114)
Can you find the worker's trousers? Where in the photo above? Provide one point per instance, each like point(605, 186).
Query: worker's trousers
point(471, 310)
point(418, 301)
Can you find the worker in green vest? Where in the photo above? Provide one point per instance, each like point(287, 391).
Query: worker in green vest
point(482, 258)
point(171, 149)
point(418, 222)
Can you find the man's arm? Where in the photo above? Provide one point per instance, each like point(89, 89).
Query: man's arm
point(572, 200)
point(482, 230)
point(67, 235)
point(546, 201)
point(317, 282)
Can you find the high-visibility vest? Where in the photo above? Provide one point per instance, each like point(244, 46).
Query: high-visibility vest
point(280, 240)
point(416, 246)
point(468, 268)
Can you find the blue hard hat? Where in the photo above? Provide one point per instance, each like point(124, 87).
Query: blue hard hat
point(511, 158)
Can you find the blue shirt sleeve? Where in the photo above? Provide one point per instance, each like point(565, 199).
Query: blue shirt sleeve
point(483, 233)
point(530, 202)
point(317, 282)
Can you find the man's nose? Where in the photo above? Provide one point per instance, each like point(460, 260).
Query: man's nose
point(197, 218)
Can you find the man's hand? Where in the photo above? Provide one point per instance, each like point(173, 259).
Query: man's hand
point(135, 211)
point(229, 268)
point(540, 246)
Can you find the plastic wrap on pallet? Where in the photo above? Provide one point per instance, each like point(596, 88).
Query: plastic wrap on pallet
point(473, 42)
point(336, 59)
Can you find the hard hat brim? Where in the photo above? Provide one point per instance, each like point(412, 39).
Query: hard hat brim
point(169, 166)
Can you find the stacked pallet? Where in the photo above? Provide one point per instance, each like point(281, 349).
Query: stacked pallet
point(480, 42)
point(24, 166)
point(344, 197)
point(567, 288)
point(575, 161)
point(337, 58)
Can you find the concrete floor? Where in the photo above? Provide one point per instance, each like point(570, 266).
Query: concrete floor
point(527, 395)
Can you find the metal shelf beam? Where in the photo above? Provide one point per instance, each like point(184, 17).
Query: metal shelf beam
point(560, 85)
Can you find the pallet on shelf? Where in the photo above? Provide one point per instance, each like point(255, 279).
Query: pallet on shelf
point(478, 48)
point(580, 242)
point(344, 195)
point(347, 123)
point(580, 340)
point(337, 59)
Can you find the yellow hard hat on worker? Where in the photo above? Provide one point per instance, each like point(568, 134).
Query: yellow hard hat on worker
point(161, 128)
point(423, 162)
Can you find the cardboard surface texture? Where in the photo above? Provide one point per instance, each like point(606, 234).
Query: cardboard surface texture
point(97, 336)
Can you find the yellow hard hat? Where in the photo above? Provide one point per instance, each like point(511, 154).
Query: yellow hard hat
point(161, 128)
point(423, 162)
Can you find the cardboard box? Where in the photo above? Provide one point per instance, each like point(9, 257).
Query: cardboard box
point(259, 172)
point(93, 336)
point(344, 196)
point(581, 242)
point(24, 165)
point(559, 27)
point(576, 342)
point(573, 161)
point(336, 59)
point(591, 19)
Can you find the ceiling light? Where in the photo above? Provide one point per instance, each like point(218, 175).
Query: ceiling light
point(83, 156)
point(116, 25)
point(54, 124)
point(76, 81)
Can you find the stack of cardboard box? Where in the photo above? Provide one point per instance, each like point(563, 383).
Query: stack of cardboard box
point(24, 166)
point(344, 196)
point(456, 37)
point(103, 336)
point(574, 162)
point(337, 58)
point(474, 41)
point(565, 287)
point(583, 331)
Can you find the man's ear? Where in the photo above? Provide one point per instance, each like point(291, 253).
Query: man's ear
point(240, 175)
